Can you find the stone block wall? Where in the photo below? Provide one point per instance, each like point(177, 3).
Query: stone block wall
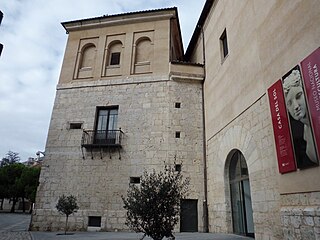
point(149, 120)
point(251, 133)
point(300, 216)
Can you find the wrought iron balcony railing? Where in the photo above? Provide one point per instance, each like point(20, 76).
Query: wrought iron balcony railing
point(99, 138)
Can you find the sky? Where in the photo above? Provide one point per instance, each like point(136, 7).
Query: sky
point(34, 43)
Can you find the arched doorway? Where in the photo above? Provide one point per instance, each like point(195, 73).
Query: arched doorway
point(242, 214)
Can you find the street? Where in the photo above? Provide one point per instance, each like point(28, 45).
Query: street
point(15, 227)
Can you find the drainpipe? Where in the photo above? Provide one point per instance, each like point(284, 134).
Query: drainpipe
point(205, 201)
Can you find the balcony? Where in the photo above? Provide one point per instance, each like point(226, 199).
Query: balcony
point(101, 139)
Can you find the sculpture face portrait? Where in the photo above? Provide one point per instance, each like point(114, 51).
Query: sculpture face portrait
point(294, 95)
point(297, 108)
point(296, 103)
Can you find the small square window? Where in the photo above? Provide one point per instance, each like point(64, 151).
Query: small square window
point(224, 44)
point(75, 126)
point(178, 167)
point(177, 134)
point(115, 58)
point(178, 105)
point(94, 221)
point(135, 180)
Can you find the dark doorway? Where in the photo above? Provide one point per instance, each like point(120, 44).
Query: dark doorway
point(242, 214)
point(189, 215)
point(94, 221)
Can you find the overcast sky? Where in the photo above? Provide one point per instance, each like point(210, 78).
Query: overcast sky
point(34, 42)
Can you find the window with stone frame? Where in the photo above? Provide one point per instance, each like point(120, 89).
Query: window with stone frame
point(224, 44)
point(143, 55)
point(143, 50)
point(115, 49)
point(115, 58)
point(87, 58)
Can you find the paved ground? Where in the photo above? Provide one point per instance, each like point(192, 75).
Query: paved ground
point(15, 236)
point(17, 222)
point(15, 227)
point(131, 236)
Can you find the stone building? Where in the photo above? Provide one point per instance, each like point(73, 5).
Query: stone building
point(246, 47)
point(123, 105)
point(207, 108)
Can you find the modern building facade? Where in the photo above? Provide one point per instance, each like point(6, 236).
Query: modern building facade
point(208, 109)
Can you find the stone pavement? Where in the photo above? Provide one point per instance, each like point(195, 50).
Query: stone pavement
point(16, 222)
point(110, 236)
point(15, 236)
point(130, 236)
point(15, 227)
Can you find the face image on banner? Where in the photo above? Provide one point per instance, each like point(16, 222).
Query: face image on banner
point(300, 124)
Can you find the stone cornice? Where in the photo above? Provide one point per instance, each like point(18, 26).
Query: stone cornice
point(121, 19)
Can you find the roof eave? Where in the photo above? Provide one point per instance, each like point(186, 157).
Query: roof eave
point(197, 31)
point(118, 19)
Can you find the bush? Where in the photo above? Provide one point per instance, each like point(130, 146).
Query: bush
point(153, 207)
point(67, 205)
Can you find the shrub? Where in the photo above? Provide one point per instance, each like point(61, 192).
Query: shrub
point(153, 207)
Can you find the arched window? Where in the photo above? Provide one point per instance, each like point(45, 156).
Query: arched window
point(87, 58)
point(114, 56)
point(143, 50)
point(112, 59)
point(143, 55)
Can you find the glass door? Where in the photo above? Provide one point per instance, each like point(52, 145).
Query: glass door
point(238, 216)
point(242, 214)
point(248, 207)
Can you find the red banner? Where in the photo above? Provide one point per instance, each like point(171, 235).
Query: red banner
point(310, 70)
point(280, 122)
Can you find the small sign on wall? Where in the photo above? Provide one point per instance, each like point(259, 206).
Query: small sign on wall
point(280, 122)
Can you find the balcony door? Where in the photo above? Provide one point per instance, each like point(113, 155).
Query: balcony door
point(106, 126)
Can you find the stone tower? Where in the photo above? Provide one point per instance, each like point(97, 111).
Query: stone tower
point(125, 103)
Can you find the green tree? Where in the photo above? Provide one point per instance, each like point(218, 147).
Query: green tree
point(10, 158)
point(28, 182)
point(67, 205)
point(153, 207)
point(3, 186)
point(7, 181)
point(18, 181)
point(12, 174)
